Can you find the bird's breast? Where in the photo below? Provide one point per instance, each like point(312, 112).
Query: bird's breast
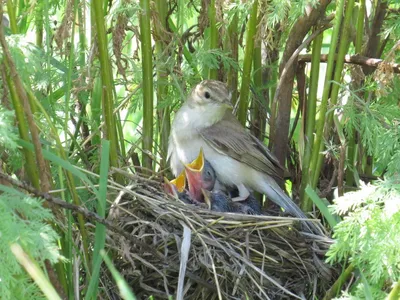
point(229, 171)
point(183, 150)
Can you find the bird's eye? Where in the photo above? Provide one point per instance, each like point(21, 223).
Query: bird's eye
point(207, 95)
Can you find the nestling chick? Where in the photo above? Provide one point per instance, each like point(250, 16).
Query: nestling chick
point(177, 188)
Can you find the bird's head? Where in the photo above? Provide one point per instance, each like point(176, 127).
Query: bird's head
point(212, 94)
point(176, 185)
point(200, 175)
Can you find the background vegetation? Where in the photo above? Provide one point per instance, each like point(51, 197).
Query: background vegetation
point(89, 87)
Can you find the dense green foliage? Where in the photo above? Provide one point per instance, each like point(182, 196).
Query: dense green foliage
point(88, 77)
point(23, 220)
point(368, 237)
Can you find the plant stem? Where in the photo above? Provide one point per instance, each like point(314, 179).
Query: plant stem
point(107, 83)
point(395, 292)
point(257, 126)
point(326, 91)
point(232, 44)
point(310, 122)
point(164, 121)
point(352, 146)
point(12, 16)
point(247, 62)
point(343, 48)
point(39, 24)
point(30, 164)
point(360, 26)
point(335, 288)
point(213, 72)
point(147, 66)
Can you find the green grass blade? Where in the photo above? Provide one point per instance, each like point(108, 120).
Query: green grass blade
point(367, 287)
point(123, 287)
point(395, 292)
point(35, 272)
point(332, 220)
point(12, 17)
point(63, 163)
point(100, 232)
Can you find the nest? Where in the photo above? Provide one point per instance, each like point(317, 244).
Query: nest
point(189, 252)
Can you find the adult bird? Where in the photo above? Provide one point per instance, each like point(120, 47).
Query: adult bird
point(205, 121)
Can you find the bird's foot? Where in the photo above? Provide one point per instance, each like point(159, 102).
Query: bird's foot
point(238, 199)
point(243, 193)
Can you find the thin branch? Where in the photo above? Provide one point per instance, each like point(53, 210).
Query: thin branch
point(296, 53)
point(356, 60)
point(372, 47)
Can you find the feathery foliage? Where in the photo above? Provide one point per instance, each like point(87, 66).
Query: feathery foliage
point(368, 237)
point(23, 220)
point(81, 65)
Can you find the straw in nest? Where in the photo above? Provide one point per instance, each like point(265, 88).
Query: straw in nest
point(192, 253)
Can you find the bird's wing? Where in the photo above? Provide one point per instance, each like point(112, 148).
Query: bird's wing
point(230, 138)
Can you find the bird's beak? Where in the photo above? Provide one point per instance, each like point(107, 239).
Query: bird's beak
point(194, 176)
point(169, 188)
point(207, 197)
point(198, 163)
point(176, 185)
point(227, 104)
point(180, 182)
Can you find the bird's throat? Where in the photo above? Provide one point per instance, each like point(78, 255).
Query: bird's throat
point(196, 118)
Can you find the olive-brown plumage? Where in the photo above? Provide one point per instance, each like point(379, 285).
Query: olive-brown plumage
point(238, 158)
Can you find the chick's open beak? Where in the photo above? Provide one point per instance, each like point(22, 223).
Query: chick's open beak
point(194, 176)
point(180, 182)
point(176, 185)
point(169, 188)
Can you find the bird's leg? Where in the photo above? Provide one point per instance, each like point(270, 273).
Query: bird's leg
point(243, 193)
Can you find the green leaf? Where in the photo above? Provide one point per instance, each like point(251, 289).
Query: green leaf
point(63, 163)
point(100, 233)
point(332, 220)
point(123, 287)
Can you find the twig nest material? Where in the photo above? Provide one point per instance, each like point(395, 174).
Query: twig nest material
point(200, 254)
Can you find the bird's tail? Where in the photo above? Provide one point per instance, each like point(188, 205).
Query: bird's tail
point(277, 195)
